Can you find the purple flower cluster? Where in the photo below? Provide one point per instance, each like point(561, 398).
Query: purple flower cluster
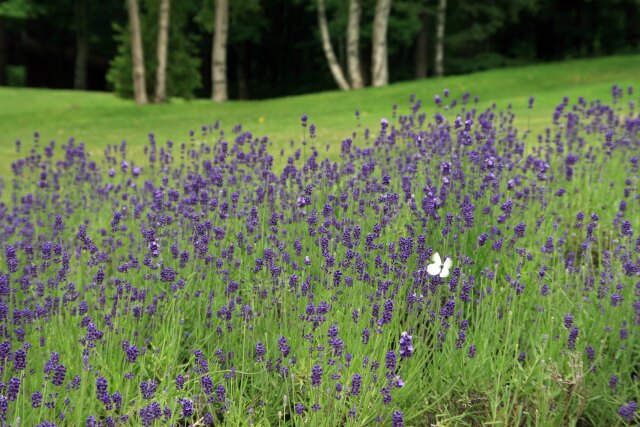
point(163, 276)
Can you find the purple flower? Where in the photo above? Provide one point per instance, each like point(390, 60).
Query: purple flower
point(624, 333)
point(568, 320)
point(616, 299)
point(283, 346)
point(323, 308)
point(20, 360)
point(168, 275)
point(628, 411)
point(544, 290)
point(448, 309)
point(461, 339)
point(522, 357)
point(387, 314)
point(4, 405)
point(101, 391)
point(132, 353)
point(472, 351)
point(207, 384)
point(36, 399)
point(260, 352)
point(117, 399)
point(356, 382)
point(365, 335)
point(180, 382)
point(333, 331)
point(14, 388)
point(573, 335)
point(58, 224)
point(221, 393)
point(406, 345)
point(150, 413)
point(397, 419)
point(386, 397)
point(59, 375)
point(390, 361)
point(187, 407)
point(316, 375)
point(303, 201)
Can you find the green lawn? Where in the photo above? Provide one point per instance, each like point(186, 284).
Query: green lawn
point(101, 118)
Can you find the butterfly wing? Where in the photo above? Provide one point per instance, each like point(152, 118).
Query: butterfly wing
point(445, 268)
point(434, 269)
point(436, 259)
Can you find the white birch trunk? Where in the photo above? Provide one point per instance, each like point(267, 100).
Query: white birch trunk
point(219, 53)
point(137, 56)
point(379, 60)
point(161, 51)
point(334, 66)
point(353, 45)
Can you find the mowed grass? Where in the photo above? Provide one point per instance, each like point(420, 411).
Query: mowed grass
point(99, 119)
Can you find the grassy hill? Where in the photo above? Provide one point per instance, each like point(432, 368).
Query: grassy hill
point(319, 297)
point(99, 119)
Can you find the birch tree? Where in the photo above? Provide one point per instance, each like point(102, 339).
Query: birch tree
point(219, 53)
point(440, 26)
point(137, 56)
point(353, 44)
point(334, 66)
point(379, 60)
point(162, 50)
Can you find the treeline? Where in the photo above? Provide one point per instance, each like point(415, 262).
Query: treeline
point(156, 49)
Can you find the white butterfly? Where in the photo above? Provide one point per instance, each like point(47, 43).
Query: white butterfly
point(438, 268)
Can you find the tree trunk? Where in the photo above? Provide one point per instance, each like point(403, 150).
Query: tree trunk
point(421, 47)
point(379, 60)
point(3, 54)
point(82, 45)
point(440, 25)
point(334, 66)
point(219, 53)
point(353, 44)
point(137, 56)
point(161, 52)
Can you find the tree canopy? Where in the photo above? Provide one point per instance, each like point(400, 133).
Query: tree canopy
point(274, 46)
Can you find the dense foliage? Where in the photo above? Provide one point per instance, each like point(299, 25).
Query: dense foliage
point(197, 284)
point(274, 45)
point(183, 79)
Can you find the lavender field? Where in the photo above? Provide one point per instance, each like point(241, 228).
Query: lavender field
point(448, 269)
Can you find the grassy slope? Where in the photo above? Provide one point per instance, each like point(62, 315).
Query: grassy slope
point(101, 118)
